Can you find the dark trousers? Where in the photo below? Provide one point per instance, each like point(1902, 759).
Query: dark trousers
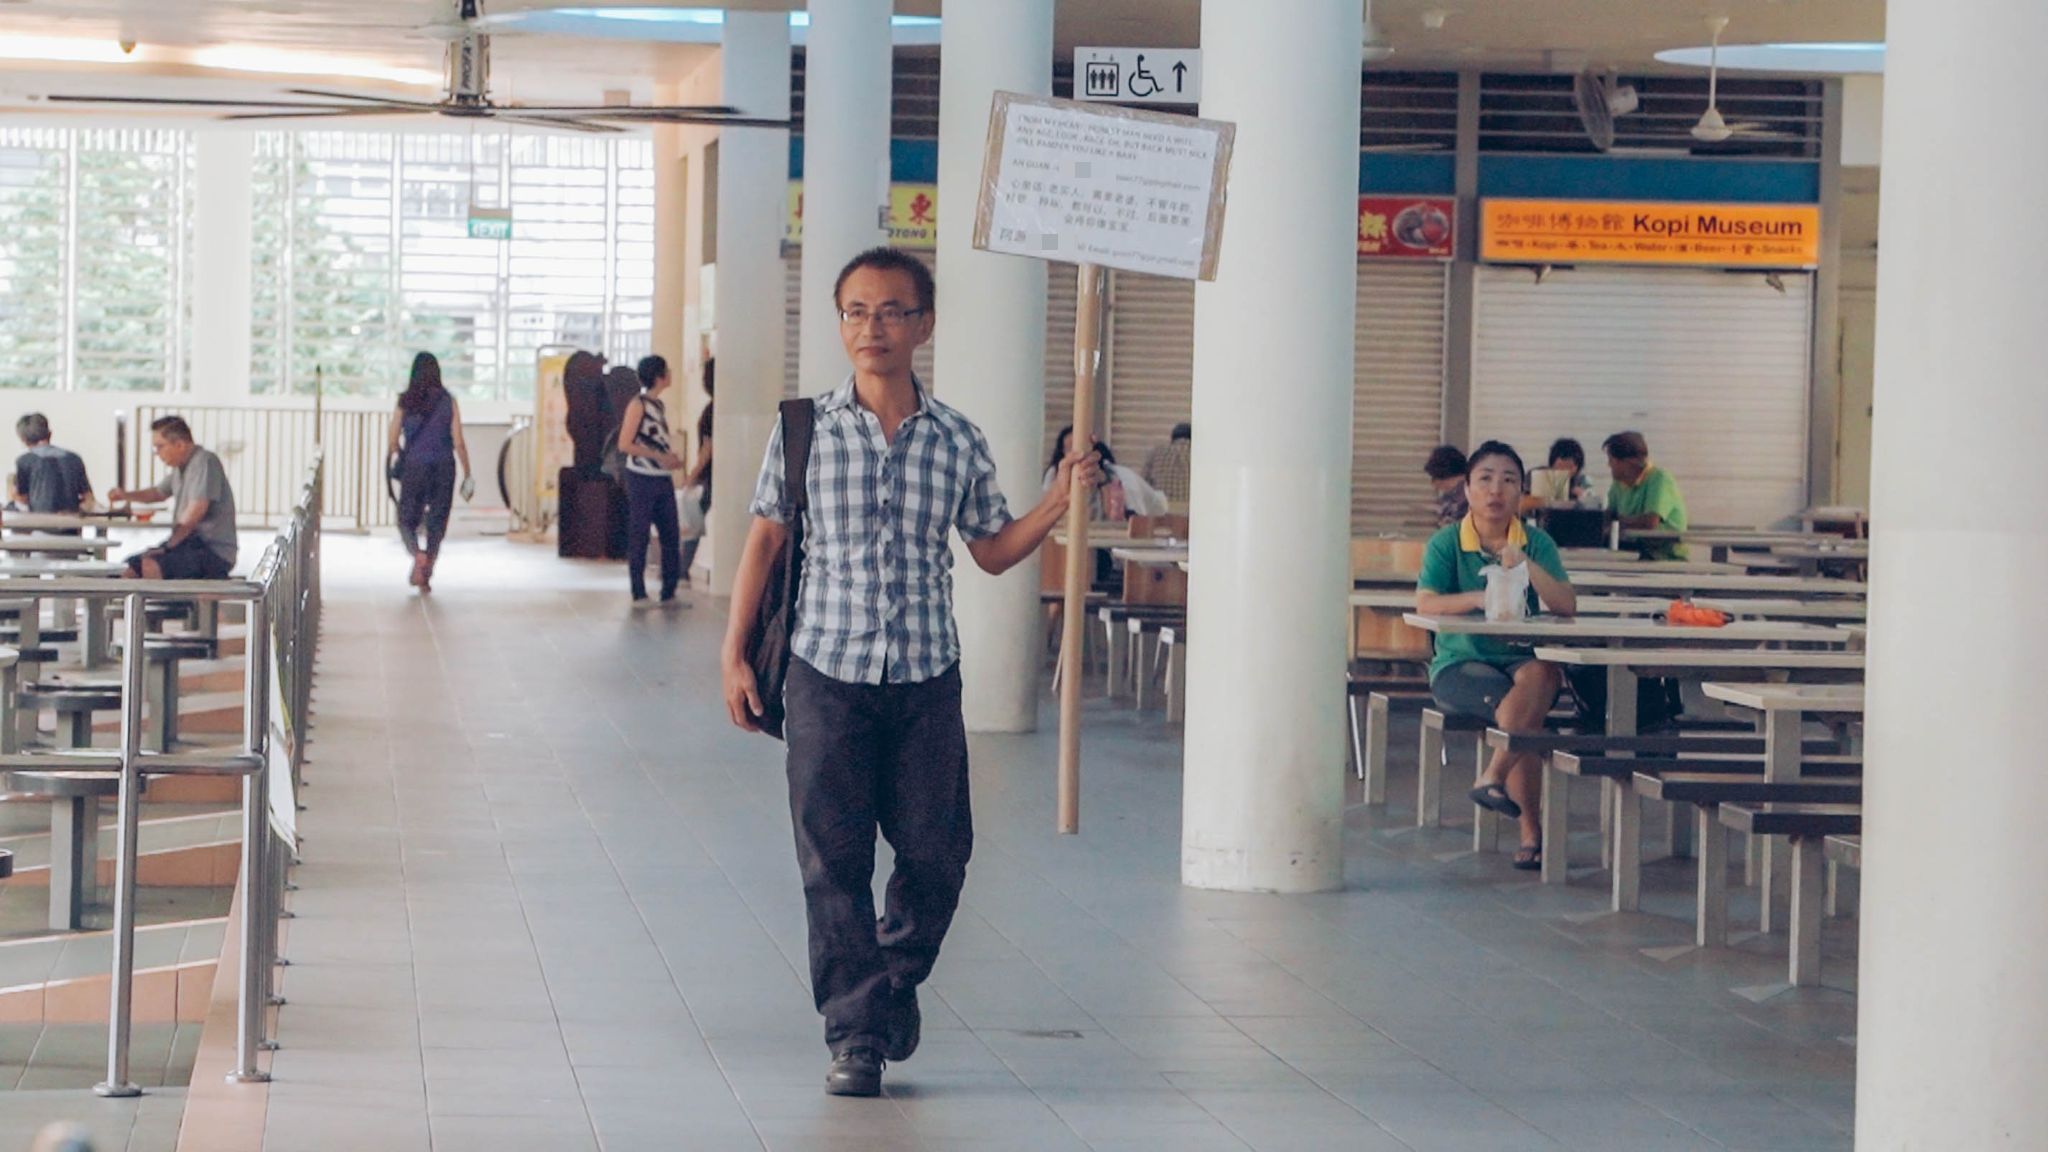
point(426, 494)
point(652, 500)
point(690, 545)
point(863, 756)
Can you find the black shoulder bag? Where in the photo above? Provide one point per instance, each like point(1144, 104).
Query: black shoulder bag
point(775, 620)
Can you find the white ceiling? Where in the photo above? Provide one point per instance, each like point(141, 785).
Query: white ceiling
point(1475, 33)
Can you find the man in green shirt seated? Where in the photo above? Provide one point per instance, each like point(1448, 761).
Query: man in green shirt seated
point(1644, 497)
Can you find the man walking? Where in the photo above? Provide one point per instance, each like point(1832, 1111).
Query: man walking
point(872, 700)
point(47, 478)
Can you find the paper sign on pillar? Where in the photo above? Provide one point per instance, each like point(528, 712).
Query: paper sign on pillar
point(1098, 187)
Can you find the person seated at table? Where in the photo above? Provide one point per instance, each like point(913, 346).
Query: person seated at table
point(1563, 481)
point(1120, 493)
point(1167, 468)
point(1446, 471)
point(47, 478)
point(202, 543)
point(1486, 677)
point(1644, 497)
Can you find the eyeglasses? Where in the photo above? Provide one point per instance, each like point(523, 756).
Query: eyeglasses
point(890, 316)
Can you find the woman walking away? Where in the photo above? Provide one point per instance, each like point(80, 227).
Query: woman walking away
point(650, 485)
point(426, 440)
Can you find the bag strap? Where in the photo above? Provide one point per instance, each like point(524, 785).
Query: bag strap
point(799, 420)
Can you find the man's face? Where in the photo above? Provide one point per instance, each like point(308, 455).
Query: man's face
point(880, 321)
point(171, 450)
point(1626, 471)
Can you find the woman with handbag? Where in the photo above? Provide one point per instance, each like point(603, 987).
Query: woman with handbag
point(425, 445)
point(650, 484)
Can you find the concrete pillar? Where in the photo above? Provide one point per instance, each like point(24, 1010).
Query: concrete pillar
point(847, 86)
point(671, 247)
point(1951, 1007)
point(991, 345)
point(224, 168)
point(1269, 566)
point(753, 174)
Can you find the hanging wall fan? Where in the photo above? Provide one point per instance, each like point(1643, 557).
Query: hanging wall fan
point(468, 97)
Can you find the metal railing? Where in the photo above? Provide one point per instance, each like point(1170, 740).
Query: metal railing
point(281, 599)
point(268, 451)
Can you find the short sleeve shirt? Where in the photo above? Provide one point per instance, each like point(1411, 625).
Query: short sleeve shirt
point(875, 602)
point(1451, 565)
point(52, 479)
point(203, 478)
point(1656, 493)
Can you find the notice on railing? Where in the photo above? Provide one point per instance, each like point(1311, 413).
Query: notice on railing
point(284, 801)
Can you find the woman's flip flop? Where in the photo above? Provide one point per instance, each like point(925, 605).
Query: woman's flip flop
point(1494, 798)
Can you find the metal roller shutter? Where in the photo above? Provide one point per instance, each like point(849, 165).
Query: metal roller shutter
point(1398, 390)
point(1711, 367)
point(1152, 362)
point(792, 283)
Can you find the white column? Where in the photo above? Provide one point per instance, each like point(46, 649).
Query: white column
point(1268, 571)
point(991, 345)
point(753, 178)
point(671, 246)
point(847, 73)
point(1951, 1004)
point(224, 167)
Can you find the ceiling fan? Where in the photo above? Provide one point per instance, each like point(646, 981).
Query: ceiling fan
point(1712, 128)
point(467, 97)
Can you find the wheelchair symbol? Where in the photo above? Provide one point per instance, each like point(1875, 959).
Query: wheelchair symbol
point(1140, 75)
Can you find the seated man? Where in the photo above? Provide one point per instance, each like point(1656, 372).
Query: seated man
point(47, 478)
point(1167, 468)
point(202, 541)
point(1644, 497)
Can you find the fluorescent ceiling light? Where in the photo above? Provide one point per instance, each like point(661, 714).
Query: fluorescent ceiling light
point(1826, 59)
point(224, 57)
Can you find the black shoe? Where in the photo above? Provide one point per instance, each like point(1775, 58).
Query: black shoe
point(906, 1029)
point(855, 1072)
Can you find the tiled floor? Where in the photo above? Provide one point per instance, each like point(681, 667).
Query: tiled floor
point(549, 902)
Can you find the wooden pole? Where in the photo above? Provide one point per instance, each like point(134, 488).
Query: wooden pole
point(1080, 566)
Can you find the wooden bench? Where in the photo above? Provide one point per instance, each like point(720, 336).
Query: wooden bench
point(1628, 756)
point(1706, 792)
point(1369, 722)
point(1173, 657)
point(1808, 826)
point(1122, 654)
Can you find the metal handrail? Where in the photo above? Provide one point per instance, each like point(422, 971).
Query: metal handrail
point(282, 598)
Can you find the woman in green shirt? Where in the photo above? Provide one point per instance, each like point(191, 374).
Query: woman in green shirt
point(1480, 675)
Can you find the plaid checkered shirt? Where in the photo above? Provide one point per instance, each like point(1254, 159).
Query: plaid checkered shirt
point(875, 603)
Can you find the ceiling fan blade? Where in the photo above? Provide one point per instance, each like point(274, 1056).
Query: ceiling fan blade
point(594, 109)
point(570, 123)
point(357, 98)
point(322, 114)
point(670, 116)
point(172, 102)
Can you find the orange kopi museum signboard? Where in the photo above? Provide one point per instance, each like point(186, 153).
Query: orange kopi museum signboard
point(1634, 232)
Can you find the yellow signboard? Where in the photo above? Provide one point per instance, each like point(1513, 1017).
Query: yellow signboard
point(1631, 232)
point(913, 215)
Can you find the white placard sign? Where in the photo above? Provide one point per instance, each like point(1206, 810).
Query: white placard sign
point(1115, 187)
point(1138, 75)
